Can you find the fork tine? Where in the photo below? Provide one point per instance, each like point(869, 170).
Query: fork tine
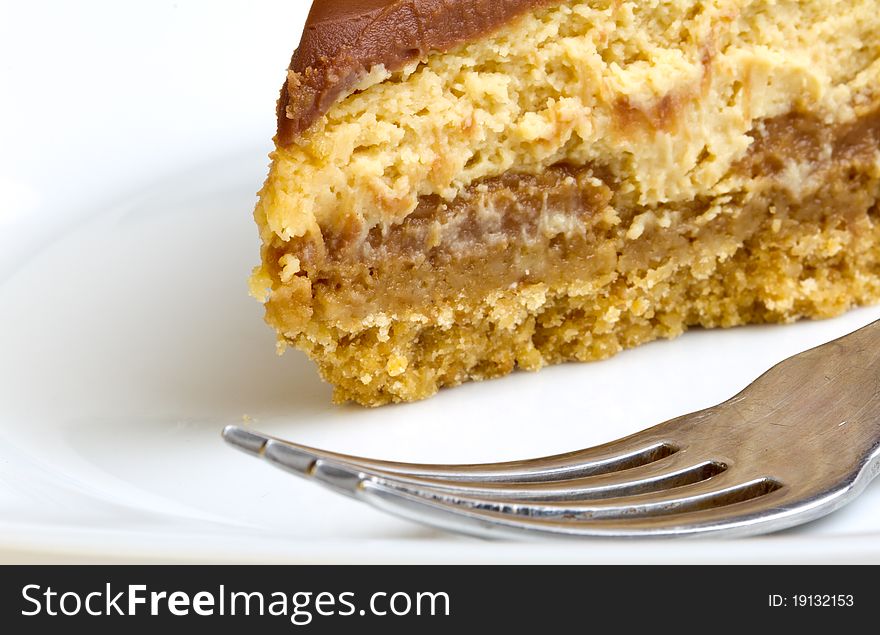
point(672, 471)
point(675, 471)
point(718, 491)
point(708, 498)
point(245, 440)
point(624, 454)
point(738, 518)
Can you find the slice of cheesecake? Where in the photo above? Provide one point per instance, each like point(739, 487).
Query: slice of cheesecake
point(463, 187)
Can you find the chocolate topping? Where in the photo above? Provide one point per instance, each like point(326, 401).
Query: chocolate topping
point(342, 41)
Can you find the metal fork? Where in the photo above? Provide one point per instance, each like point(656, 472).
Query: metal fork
point(798, 443)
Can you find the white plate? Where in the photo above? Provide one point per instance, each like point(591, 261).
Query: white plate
point(131, 154)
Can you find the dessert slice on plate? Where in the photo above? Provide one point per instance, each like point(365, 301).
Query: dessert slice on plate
point(461, 188)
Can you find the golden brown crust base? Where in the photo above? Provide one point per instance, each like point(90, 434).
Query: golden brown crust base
point(805, 269)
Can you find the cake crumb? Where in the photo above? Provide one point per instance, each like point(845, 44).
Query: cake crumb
point(396, 365)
